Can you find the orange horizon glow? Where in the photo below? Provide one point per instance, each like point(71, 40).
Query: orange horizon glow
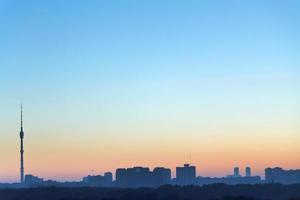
point(68, 162)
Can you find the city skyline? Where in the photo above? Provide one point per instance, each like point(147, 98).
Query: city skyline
point(141, 176)
point(109, 84)
point(236, 170)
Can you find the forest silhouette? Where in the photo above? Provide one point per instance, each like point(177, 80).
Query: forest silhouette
point(166, 192)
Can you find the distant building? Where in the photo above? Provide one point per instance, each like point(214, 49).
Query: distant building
point(269, 175)
point(236, 172)
point(279, 175)
point(142, 177)
point(230, 180)
point(138, 177)
point(98, 181)
point(247, 171)
point(185, 175)
point(108, 177)
point(121, 177)
point(161, 176)
point(32, 180)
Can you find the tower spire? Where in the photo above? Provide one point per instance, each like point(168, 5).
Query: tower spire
point(21, 118)
point(22, 149)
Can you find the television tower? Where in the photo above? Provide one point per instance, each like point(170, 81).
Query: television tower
point(22, 149)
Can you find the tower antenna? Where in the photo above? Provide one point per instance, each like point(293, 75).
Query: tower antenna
point(21, 117)
point(22, 149)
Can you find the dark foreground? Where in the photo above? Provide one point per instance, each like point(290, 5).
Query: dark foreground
point(209, 192)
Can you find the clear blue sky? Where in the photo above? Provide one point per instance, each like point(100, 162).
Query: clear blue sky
point(148, 69)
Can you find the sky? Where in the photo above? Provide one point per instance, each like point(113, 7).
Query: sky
point(122, 83)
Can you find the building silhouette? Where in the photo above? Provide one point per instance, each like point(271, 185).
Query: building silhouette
point(142, 177)
point(98, 180)
point(133, 177)
point(229, 180)
point(236, 172)
point(185, 175)
point(108, 177)
point(247, 171)
point(32, 180)
point(161, 176)
point(279, 175)
point(234, 179)
point(21, 149)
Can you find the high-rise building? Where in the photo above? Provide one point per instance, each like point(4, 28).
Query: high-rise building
point(269, 176)
point(161, 176)
point(248, 171)
point(98, 180)
point(108, 177)
point(31, 180)
point(22, 149)
point(279, 175)
point(186, 175)
point(236, 172)
point(142, 177)
point(133, 177)
point(121, 177)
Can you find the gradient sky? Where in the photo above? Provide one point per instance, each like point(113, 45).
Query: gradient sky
point(108, 84)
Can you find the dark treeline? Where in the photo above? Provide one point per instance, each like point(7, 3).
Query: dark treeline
point(167, 192)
